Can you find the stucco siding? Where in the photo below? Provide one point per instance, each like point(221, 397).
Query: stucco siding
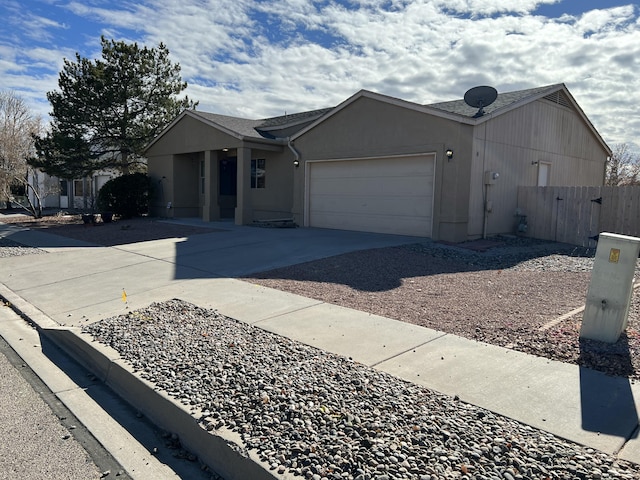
point(191, 135)
point(369, 127)
point(160, 170)
point(186, 192)
point(275, 200)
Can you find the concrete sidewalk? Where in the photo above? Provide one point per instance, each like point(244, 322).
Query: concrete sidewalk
point(75, 284)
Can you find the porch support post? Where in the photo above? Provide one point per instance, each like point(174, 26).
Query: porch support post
point(210, 208)
point(243, 214)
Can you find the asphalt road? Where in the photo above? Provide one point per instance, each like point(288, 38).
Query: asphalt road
point(40, 437)
point(34, 443)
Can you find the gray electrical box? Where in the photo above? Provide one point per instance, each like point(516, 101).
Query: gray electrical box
point(490, 177)
point(607, 308)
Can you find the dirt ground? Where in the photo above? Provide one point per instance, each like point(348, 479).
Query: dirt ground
point(509, 307)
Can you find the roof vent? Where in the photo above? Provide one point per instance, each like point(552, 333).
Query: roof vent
point(480, 97)
point(560, 98)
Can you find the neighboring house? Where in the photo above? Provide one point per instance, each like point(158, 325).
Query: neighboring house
point(79, 194)
point(82, 193)
point(377, 163)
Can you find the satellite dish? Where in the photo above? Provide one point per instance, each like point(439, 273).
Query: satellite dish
point(480, 97)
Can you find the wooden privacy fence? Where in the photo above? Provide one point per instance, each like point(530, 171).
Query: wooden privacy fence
point(576, 215)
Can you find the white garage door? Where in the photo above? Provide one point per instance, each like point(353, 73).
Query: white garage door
point(384, 195)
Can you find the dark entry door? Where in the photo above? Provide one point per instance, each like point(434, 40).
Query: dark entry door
point(228, 187)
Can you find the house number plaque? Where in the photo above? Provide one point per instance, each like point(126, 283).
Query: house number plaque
point(614, 255)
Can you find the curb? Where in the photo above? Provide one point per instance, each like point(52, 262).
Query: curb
point(221, 451)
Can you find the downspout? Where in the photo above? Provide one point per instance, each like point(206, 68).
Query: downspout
point(486, 211)
point(484, 184)
point(296, 155)
point(296, 164)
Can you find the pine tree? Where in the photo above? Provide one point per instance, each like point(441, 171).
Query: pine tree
point(107, 110)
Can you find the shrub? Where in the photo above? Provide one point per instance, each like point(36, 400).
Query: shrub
point(126, 196)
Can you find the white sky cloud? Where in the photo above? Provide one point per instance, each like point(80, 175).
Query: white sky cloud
point(257, 59)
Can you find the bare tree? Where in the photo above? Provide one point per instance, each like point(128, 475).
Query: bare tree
point(18, 130)
point(623, 167)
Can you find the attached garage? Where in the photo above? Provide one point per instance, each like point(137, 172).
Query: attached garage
point(382, 194)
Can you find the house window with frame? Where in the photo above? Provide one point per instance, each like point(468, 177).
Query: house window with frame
point(258, 173)
point(544, 171)
point(78, 188)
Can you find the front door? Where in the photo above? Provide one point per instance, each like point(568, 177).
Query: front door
point(64, 194)
point(228, 187)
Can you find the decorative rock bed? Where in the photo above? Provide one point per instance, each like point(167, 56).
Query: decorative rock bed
point(321, 416)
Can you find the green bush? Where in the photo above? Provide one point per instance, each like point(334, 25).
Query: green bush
point(126, 196)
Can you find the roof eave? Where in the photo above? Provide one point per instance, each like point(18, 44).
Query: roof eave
point(586, 120)
point(291, 124)
point(239, 136)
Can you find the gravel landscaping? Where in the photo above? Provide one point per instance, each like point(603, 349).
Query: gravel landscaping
point(323, 416)
point(9, 248)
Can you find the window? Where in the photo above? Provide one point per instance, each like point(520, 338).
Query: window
point(78, 188)
point(64, 188)
point(544, 169)
point(258, 173)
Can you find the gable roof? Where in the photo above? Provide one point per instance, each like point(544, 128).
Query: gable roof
point(264, 130)
point(458, 110)
point(291, 126)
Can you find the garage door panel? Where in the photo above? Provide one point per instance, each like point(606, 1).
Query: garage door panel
point(383, 168)
point(385, 195)
point(391, 224)
point(372, 205)
point(414, 185)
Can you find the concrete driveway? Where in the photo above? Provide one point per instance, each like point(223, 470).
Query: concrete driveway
point(79, 282)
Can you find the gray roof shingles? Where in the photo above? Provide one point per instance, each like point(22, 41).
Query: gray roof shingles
point(459, 107)
point(293, 118)
point(254, 128)
point(241, 126)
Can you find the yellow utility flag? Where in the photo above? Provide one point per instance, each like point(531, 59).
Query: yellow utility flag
point(124, 296)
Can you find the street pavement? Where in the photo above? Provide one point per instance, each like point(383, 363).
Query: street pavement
point(34, 444)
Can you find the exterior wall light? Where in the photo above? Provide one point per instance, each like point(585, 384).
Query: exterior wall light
point(449, 153)
point(296, 163)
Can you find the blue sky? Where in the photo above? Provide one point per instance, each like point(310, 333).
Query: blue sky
point(259, 58)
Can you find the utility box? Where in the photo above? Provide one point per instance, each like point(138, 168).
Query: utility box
point(607, 308)
point(490, 178)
